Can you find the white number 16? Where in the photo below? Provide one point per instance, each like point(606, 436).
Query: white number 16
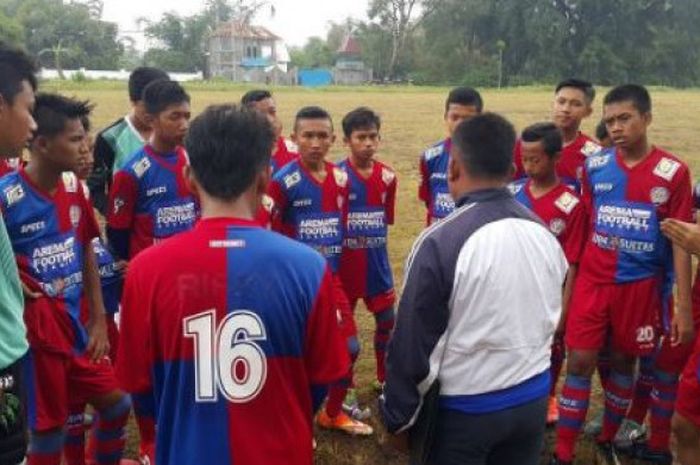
point(227, 359)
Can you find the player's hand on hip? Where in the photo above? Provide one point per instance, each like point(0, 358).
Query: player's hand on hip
point(98, 342)
point(682, 331)
point(29, 294)
point(686, 235)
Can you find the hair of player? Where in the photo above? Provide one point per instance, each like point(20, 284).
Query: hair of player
point(85, 120)
point(15, 67)
point(584, 86)
point(465, 96)
point(633, 93)
point(53, 111)
point(159, 95)
point(601, 131)
point(228, 146)
point(485, 146)
point(252, 97)
point(361, 118)
point(312, 112)
point(547, 133)
point(141, 77)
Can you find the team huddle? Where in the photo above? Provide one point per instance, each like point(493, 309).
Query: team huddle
point(221, 291)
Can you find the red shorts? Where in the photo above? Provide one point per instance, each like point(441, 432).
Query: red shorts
point(376, 303)
point(55, 380)
point(688, 400)
point(347, 318)
point(630, 312)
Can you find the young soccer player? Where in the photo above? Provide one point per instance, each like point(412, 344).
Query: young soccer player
point(573, 100)
point(562, 212)
point(150, 202)
point(311, 201)
point(601, 133)
point(365, 270)
point(462, 103)
point(17, 88)
point(51, 226)
point(262, 101)
point(240, 323)
point(628, 190)
point(121, 139)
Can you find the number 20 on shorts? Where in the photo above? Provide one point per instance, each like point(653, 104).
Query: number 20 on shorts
point(227, 357)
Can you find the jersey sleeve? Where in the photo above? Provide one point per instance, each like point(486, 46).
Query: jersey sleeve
point(586, 193)
point(391, 201)
point(326, 355)
point(279, 199)
point(424, 187)
point(123, 196)
point(576, 234)
point(100, 179)
point(681, 200)
point(88, 229)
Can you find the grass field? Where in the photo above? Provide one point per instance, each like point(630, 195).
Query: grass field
point(412, 119)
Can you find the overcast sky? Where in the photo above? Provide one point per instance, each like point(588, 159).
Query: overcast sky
point(294, 20)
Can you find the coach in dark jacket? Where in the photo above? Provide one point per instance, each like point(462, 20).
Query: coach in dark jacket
point(481, 301)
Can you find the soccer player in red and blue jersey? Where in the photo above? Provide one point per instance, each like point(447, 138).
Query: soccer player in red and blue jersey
point(462, 103)
point(52, 226)
point(365, 270)
point(573, 100)
point(239, 326)
point(310, 200)
point(150, 201)
point(562, 212)
point(622, 280)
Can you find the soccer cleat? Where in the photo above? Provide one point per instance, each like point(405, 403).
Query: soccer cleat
point(351, 406)
point(556, 461)
point(552, 411)
point(343, 422)
point(629, 434)
point(594, 427)
point(606, 454)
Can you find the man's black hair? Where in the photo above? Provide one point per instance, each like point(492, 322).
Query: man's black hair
point(254, 96)
point(361, 118)
point(601, 131)
point(159, 95)
point(465, 96)
point(547, 133)
point(584, 86)
point(634, 93)
point(485, 146)
point(53, 111)
point(15, 68)
point(140, 78)
point(312, 112)
point(227, 147)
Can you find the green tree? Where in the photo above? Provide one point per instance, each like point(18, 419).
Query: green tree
point(11, 31)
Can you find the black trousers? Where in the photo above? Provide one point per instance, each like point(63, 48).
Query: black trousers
point(508, 437)
point(13, 434)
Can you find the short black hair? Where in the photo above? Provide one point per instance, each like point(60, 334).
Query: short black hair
point(15, 67)
point(601, 131)
point(53, 111)
point(634, 93)
point(252, 97)
point(548, 133)
point(584, 86)
point(361, 118)
point(466, 96)
point(159, 95)
point(227, 147)
point(485, 146)
point(140, 78)
point(312, 112)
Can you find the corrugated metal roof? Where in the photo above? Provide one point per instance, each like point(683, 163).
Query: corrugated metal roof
point(245, 31)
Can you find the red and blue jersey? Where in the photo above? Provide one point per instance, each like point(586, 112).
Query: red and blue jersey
point(149, 198)
point(570, 164)
point(311, 211)
point(626, 208)
point(239, 324)
point(49, 233)
point(561, 211)
point(365, 270)
point(433, 189)
point(285, 152)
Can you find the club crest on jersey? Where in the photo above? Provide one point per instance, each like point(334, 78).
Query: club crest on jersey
point(515, 187)
point(341, 177)
point(14, 194)
point(566, 202)
point(557, 226)
point(292, 180)
point(433, 152)
point(74, 212)
point(590, 148)
point(388, 176)
point(267, 203)
point(659, 195)
point(666, 168)
point(70, 182)
point(118, 205)
point(141, 166)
